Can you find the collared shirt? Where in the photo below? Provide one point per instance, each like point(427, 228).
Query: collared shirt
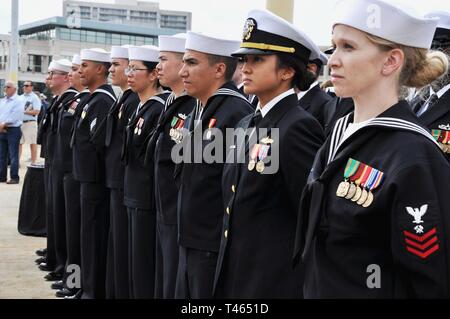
point(30, 102)
point(273, 102)
point(11, 111)
point(439, 94)
point(303, 93)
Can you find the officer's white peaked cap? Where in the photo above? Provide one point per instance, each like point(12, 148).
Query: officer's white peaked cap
point(267, 33)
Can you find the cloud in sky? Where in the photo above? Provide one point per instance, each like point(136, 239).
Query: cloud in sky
point(220, 17)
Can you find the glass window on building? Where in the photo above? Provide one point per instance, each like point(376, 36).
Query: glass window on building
point(140, 40)
point(100, 38)
point(91, 36)
point(115, 39)
point(2, 64)
point(149, 41)
point(64, 34)
point(34, 63)
point(83, 35)
point(75, 35)
point(173, 21)
point(108, 38)
point(143, 17)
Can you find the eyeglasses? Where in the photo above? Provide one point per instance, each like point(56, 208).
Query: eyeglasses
point(27, 85)
point(129, 70)
point(52, 73)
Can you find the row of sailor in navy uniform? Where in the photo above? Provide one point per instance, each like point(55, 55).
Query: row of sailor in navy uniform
point(151, 228)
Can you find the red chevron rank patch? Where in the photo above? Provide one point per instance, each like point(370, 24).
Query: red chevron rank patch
point(422, 246)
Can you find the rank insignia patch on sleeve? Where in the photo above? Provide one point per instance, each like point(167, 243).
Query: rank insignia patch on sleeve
point(422, 246)
point(427, 243)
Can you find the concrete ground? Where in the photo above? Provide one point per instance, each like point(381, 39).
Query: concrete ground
point(20, 277)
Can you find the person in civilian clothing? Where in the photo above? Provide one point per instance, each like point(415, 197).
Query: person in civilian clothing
point(11, 115)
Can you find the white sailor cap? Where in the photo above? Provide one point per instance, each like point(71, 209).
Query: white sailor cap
point(172, 43)
point(76, 59)
point(442, 35)
point(119, 52)
point(266, 33)
point(147, 53)
point(386, 21)
point(210, 45)
point(443, 16)
point(62, 65)
point(97, 55)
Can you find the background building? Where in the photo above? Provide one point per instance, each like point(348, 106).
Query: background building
point(129, 12)
point(87, 25)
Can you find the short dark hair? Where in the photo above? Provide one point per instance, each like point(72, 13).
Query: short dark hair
point(31, 83)
point(107, 66)
point(230, 63)
point(302, 78)
point(151, 66)
point(319, 68)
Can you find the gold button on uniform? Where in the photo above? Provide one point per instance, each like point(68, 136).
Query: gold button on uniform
point(233, 189)
point(228, 210)
point(226, 234)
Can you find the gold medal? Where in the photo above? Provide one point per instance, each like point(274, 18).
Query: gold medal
point(363, 197)
point(267, 140)
point(260, 167)
point(208, 134)
point(139, 131)
point(251, 165)
point(351, 191)
point(136, 130)
point(83, 115)
point(369, 200)
point(342, 189)
point(357, 194)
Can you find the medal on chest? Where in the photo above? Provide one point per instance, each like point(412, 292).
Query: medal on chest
point(258, 154)
point(85, 110)
point(139, 125)
point(120, 112)
point(211, 124)
point(177, 125)
point(73, 106)
point(443, 138)
point(360, 180)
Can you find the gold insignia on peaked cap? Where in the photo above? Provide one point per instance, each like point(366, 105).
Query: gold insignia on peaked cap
point(249, 26)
